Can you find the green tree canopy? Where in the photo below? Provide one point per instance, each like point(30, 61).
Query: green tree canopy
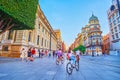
point(21, 13)
point(81, 48)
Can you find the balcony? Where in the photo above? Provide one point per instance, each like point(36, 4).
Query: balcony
point(93, 44)
point(30, 43)
point(7, 41)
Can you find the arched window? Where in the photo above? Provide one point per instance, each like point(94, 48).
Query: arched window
point(10, 35)
point(38, 40)
point(15, 35)
point(42, 42)
point(112, 8)
point(29, 37)
point(39, 26)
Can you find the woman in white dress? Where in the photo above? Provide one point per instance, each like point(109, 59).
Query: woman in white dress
point(23, 54)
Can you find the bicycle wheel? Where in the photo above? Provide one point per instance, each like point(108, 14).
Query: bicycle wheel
point(69, 68)
point(77, 66)
point(62, 61)
point(57, 62)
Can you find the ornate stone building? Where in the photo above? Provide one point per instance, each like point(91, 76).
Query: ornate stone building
point(114, 27)
point(59, 39)
point(71, 47)
point(42, 37)
point(63, 47)
point(78, 41)
point(92, 38)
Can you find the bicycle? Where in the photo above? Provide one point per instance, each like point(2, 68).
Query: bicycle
point(58, 60)
point(70, 67)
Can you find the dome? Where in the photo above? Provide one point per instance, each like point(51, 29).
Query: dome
point(93, 18)
point(112, 8)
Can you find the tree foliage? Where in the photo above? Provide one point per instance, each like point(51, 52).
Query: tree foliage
point(22, 12)
point(81, 48)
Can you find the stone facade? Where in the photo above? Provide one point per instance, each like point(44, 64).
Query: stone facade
point(42, 37)
point(59, 39)
point(78, 41)
point(114, 26)
point(106, 43)
point(92, 38)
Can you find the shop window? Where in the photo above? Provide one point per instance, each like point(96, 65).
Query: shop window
point(5, 48)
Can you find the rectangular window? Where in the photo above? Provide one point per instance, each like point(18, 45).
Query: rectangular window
point(39, 26)
point(29, 37)
point(119, 27)
point(45, 43)
point(111, 25)
point(112, 31)
point(42, 29)
point(42, 42)
point(117, 13)
point(114, 22)
point(118, 20)
point(10, 35)
point(113, 37)
point(5, 48)
point(38, 40)
point(115, 29)
point(48, 43)
point(110, 20)
point(113, 17)
point(116, 35)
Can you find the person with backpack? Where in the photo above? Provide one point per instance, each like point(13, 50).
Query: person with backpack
point(33, 51)
point(29, 57)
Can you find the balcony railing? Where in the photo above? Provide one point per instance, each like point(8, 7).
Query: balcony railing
point(7, 41)
point(93, 44)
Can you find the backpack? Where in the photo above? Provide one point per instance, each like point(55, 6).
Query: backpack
point(68, 57)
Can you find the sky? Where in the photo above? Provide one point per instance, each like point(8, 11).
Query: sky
point(71, 15)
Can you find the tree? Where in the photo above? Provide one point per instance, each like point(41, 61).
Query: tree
point(17, 14)
point(81, 48)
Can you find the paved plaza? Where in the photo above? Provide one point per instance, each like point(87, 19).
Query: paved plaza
point(91, 68)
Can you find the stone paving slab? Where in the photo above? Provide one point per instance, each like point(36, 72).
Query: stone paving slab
point(46, 69)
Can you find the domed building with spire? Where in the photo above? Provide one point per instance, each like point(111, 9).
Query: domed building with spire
point(92, 37)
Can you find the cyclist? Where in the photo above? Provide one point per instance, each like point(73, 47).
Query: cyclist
point(71, 56)
point(59, 55)
point(78, 55)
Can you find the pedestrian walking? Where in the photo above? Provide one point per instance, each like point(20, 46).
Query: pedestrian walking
point(33, 52)
point(53, 54)
point(29, 57)
point(49, 54)
point(78, 55)
point(23, 54)
point(39, 53)
point(56, 53)
point(42, 53)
